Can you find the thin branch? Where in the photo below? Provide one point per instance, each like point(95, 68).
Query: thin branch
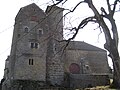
point(57, 3)
point(109, 6)
point(53, 2)
point(80, 26)
point(64, 2)
point(100, 32)
point(102, 23)
point(103, 11)
point(76, 6)
point(114, 7)
point(73, 8)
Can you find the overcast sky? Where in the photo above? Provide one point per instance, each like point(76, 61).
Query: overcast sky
point(10, 8)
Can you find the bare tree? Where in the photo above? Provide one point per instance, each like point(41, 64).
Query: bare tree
point(111, 34)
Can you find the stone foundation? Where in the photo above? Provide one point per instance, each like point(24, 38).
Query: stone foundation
point(30, 85)
point(84, 81)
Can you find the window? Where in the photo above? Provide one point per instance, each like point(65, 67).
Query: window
point(34, 45)
point(40, 32)
point(26, 29)
point(30, 61)
point(18, 35)
point(54, 47)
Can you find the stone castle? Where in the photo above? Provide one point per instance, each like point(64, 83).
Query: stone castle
point(39, 59)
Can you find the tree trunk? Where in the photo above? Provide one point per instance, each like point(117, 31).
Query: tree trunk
point(116, 74)
point(114, 54)
point(111, 43)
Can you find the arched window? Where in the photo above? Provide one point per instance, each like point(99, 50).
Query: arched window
point(74, 68)
point(26, 29)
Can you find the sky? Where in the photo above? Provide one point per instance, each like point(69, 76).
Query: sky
point(10, 8)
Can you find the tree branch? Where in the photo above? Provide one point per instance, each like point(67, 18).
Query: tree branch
point(109, 6)
point(102, 24)
point(103, 11)
point(64, 2)
point(114, 7)
point(81, 25)
point(57, 2)
point(114, 31)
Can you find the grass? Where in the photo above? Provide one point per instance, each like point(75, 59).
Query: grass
point(100, 87)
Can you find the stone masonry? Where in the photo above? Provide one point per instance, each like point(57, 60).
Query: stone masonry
point(39, 61)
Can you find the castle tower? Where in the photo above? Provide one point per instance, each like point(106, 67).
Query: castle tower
point(33, 52)
point(28, 52)
point(27, 61)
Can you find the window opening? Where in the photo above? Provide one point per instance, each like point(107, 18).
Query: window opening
point(26, 29)
point(40, 32)
point(34, 45)
point(30, 61)
point(54, 47)
point(18, 35)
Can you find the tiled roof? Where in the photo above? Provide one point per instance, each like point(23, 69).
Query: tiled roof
point(79, 45)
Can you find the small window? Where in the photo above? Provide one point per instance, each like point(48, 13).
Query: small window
point(54, 47)
point(30, 61)
point(18, 35)
point(26, 29)
point(34, 45)
point(40, 32)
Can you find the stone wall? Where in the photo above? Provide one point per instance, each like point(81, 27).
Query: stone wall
point(28, 61)
point(37, 60)
point(89, 62)
point(83, 81)
point(30, 85)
